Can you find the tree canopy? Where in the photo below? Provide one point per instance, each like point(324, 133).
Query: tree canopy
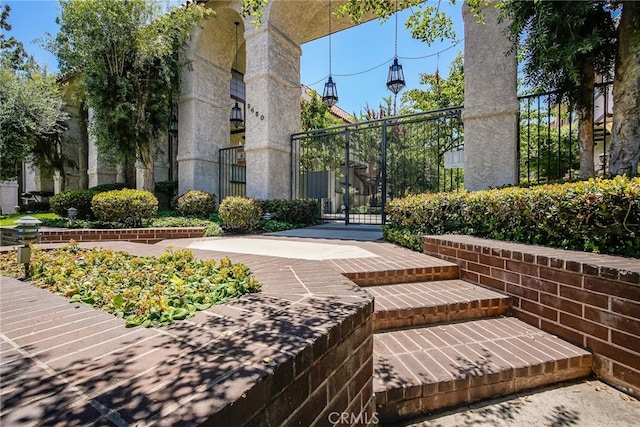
point(31, 115)
point(440, 92)
point(127, 54)
point(315, 114)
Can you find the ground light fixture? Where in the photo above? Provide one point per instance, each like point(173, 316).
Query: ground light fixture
point(27, 232)
point(72, 214)
point(330, 92)
point(395, 79)
point(236, 112)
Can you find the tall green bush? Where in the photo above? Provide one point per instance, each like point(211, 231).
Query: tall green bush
point(239, 213)
point(300, 212)
point(196, 203)
point(596, 216)
point(126, 206)
point(79, 199)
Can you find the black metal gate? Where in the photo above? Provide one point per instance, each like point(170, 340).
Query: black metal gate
point(233, 172)
point(354, 169)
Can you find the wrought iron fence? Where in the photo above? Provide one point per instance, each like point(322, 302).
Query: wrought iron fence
point(354, 169)
point(548, 136)
point(233, 172)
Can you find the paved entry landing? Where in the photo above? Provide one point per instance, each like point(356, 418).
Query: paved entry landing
point(282, 248)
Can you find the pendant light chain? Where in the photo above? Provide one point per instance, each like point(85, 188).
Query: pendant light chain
point(329, 38)
point(395, 79)
point(330, 93)
point(396, 37)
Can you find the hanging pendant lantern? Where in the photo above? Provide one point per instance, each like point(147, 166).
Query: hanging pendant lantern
point(236, 112)
point(236, 116)
point(395, 79)
point(330, 92)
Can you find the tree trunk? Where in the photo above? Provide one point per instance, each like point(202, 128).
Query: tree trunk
point(625, 135)
point(585, 123)
point(83, 146)
point(144, 167)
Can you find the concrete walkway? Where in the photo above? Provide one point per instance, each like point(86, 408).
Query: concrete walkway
point(587, 403)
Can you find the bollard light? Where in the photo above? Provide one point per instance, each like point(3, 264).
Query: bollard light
point(72, 213)
point(27, 232)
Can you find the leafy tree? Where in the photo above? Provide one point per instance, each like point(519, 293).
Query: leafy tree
point(13, 54)
point(31, 116)
point(564, 44)
point(625, 141)
point(129, 56)
point(441, 92)
point(315, 114)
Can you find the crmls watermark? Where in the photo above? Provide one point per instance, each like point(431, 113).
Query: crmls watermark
point(349, 418)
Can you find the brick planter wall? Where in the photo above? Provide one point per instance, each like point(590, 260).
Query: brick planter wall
point(588, 299)
point(137, 235)
point(323, 381)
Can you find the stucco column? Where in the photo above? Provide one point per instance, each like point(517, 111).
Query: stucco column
point(490, 103)
point(273, 110)
point(203, 125)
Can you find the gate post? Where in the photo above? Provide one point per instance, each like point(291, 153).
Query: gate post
point(491, 105)
point(383, 165)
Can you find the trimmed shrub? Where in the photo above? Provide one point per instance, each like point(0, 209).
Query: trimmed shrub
point(211, 228)
point(239, 213)
point(79, 199)
point(300, 212)
point(271, 226)
point(196, 203)
point(595, 216)
point(126, 206)
point(109, 187)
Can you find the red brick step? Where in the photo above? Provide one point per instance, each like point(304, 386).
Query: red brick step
point(420, 370)
point(420, 303)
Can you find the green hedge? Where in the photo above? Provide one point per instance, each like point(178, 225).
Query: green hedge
point(300, 212)
point(79, 199)
point(196, 203)
point(128, 207)
point(595, 216)
point(239, 213)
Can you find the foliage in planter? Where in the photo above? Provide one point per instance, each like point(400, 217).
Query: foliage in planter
point(303, 212)
point(212, 228)
point(79, 199)
point(196, 203)
point(596, 216)
point(271, 226)
point(126, 206)
point(145, 291)
point(109, 187)
point(239, 213)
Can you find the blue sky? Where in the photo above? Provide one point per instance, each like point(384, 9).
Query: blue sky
point(369, 46)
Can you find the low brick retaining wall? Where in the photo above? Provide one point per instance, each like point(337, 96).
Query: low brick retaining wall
point(588, 299)
point(298, 353)
point(136, 235)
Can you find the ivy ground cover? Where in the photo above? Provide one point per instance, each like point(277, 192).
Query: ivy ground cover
point(147, 291)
